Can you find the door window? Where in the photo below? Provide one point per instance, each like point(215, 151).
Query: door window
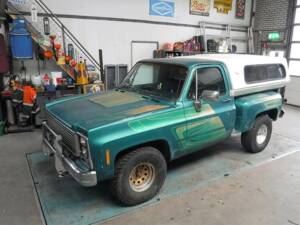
point(208, 79)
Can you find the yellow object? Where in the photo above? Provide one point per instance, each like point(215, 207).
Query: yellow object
point(93, 88)
point(147, 108)
point(223, 6)
point(82, 80)
point(61, 60)
point(107, 157)
point(82, 77)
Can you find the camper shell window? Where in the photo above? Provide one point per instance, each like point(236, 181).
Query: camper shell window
point(261, 73)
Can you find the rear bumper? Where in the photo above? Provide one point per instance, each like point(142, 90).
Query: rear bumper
point(64, 163)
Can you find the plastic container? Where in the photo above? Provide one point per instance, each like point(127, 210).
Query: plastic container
point(36, 80)
point(20, 40)
point(2, 127)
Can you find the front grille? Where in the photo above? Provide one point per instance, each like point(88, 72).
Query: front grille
point(69, 138)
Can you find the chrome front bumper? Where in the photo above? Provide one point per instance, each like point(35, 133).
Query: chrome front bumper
point(63, 163)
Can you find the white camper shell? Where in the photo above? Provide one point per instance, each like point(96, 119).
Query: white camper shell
point(244, 69)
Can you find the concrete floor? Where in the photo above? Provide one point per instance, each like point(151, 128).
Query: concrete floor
point(267, 194)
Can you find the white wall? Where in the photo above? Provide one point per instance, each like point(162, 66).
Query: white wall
point(114, 37)
point(139, 9)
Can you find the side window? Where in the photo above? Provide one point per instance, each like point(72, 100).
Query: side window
point(208, 79)
point(259, 73)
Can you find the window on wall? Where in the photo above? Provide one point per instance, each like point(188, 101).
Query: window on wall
point(294, 58)
point(297, 15)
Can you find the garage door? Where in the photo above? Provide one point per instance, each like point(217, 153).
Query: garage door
point(293, 89)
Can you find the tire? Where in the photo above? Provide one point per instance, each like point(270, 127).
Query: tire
point(250, 139)
point(130, 186)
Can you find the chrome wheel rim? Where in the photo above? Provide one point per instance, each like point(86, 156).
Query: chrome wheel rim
point(141, 177)
point(262, 134)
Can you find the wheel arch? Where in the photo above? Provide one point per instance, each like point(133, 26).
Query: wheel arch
point(272, 113)
point(161, 145)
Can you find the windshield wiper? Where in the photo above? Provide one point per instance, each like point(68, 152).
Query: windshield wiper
point(150, 98)
point(153, 95)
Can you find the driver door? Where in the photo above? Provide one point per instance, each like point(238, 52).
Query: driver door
point(215, 119)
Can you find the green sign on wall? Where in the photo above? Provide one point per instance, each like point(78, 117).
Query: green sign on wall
point(274, 36)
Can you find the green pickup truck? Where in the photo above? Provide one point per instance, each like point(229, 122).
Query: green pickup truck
point(164, 109)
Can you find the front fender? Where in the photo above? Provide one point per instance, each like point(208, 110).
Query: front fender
point(116, 146)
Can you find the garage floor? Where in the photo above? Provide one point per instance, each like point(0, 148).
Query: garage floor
point(267, 192)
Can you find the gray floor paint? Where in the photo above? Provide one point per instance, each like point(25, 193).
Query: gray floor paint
point(267, 194)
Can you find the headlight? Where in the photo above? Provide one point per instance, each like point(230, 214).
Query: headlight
point(83, 143)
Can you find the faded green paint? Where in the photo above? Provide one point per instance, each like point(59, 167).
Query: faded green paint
point(115, 99)
point(248, 107)
point(120, 120)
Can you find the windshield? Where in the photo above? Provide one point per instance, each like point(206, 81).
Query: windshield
point(156, 79)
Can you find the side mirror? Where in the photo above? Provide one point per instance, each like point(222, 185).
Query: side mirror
point(211, 95)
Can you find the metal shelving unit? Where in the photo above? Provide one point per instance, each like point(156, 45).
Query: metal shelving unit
point(227, 28)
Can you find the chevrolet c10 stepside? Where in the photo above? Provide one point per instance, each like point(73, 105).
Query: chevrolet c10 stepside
point(164, 109)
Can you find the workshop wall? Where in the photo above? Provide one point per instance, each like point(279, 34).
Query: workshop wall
point(270, 15)
point(273, 15)
point(98, 26)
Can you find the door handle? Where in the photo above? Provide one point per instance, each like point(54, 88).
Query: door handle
point(226, 100)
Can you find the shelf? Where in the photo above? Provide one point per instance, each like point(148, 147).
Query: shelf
point(65, 68)
point(212, 36)
point(37, 38)
point(209, 36)
point(240, 38)
point(227, 34)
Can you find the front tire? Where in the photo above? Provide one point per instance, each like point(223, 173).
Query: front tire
point(257, 138)
point(139, 175)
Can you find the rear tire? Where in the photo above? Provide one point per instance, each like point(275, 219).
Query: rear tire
point(139, 175)
point(257, 138)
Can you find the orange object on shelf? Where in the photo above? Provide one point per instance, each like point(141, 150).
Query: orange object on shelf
point(57, 46)
point(68, 59)
point(73, 63)
point(178, 46)
point(48, 54)
point(168, 46)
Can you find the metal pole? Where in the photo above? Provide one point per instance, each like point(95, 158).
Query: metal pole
point(63, 38)
point(101, 64)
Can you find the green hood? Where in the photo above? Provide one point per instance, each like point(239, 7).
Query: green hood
point(92, 111)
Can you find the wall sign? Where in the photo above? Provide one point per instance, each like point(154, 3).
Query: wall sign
point(223, 6)
point(161, 8)
point(200, 7)
point(240, 9)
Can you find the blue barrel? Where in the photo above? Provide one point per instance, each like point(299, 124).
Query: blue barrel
point(20, 40)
